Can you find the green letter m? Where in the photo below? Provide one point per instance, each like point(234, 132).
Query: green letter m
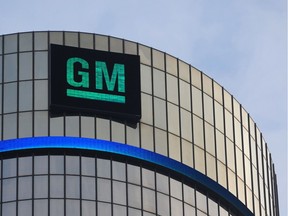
point(118, 70)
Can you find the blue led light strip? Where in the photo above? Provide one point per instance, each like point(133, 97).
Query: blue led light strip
point(125, 150)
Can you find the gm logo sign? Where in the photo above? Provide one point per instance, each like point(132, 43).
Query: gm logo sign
point(94, 83)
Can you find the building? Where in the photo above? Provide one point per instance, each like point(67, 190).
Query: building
point(187, 147)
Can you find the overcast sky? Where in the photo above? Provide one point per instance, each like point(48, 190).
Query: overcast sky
point(240, 44)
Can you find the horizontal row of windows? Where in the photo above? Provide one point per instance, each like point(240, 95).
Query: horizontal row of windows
point(38, 180)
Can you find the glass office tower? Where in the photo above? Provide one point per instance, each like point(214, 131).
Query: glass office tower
point(195, 151)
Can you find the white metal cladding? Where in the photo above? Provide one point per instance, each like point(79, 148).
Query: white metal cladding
point(186, 115)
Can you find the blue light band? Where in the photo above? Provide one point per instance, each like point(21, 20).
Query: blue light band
point(128, 151)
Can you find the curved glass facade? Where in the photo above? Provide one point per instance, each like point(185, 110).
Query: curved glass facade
point(186, 116)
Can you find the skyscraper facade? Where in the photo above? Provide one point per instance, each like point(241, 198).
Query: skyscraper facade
point(156, 136)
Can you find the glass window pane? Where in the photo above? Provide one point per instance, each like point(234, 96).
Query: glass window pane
point(162, 183)
point(130, 47)
point(176, 207)
point(41, 165)
point(119, 192)
point(161, 143)
point(41, 123)
point(173, 118)
point(146, 79)
point(211, 166)
point(199, 160)
point(198, 131)
point(40, 186)
point(116, 45)
point(222, 175)
point(88, 166)
point(57, 186)
point(184, 72)
point(163, 205)
point(10, 43)
point(9, 190)
point(41, 95)
point(88, 208)
point(88, 188)
point(148, 178)
point(10, 97)
point(149, 200)
point(133, 137)
point(71, 39)
point(25, 188)
point(25, 166)
point(103, 129)
point(118, 132)
point(87, 127)
point(207, 85)
point(186, 125)
point(56, 37)
point(86, 41)
point(219, 117)
point(72, 187)
point(104, 209)
point(104, 190)
point(9, 168)
point(208, 109)
point(101, 42)
point(25, 96)
point(56, 164)
point(25, 42)
point(57, 126)
point(145, 55)
point(133, 174)
point(41, 65)
point(40, 207)
point(160, 113)
point(196, 78)
point(174, 147)
point(159, 83)
point(9, 209)
point(103, 168)
point(171, 65)
point(201, 201)
point(25, 124)
point(187, 153)
point(10, 126)
point(197, 99)
point(176, 189)
point(147, 137)
point(185, 95)
point(218, 93)
point(10, 68)
point(40, 40)
point(147, 110)
point(227, 101)
point(158, 59)
point(134, 196)
point(172, 89)
point(72, 126)
point(25, 66)
point(209, 139)
point(118, 171)
point(189, 195)
point(72, 165)
point(56, 207)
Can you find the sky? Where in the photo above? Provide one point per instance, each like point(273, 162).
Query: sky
point(240, 44)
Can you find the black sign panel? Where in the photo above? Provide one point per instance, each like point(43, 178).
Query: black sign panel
point(94, 83)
